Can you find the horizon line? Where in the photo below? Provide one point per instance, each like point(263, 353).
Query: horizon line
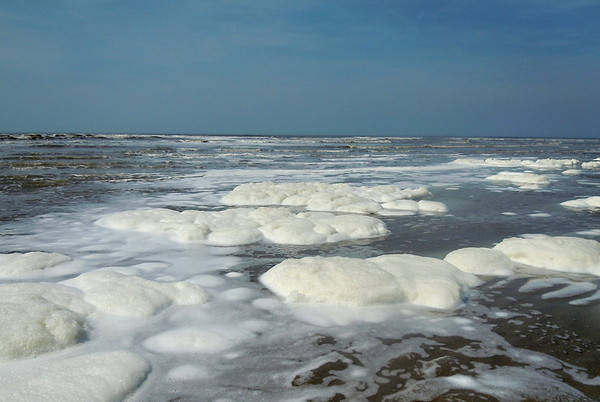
point(4, 133)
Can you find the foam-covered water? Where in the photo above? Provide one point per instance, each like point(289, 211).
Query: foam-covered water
point(111, 286)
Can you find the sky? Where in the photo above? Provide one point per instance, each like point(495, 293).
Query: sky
point(511, 68)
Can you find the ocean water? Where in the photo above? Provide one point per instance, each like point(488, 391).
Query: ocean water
point(223, 335)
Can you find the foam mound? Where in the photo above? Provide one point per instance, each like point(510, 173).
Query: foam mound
point(542, 164)
point(422, 206)
point(523, 180)
point(240, 226)
point(548, 163)
point(339, 197)
point(388, 279)
point(560, 253)
point(107, 376)
point(18, 264)
point(591, 165)
point(590, 203)
point(480, 261)
point(119, 294)
point(36, 318)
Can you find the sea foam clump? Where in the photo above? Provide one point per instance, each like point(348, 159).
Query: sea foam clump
point(106, 376)
point(36, 318)
point(523, 180)
point(481, 261)
point(548, 163)
point(340, 197)
point(119, 294)
point(560, 253)
point(541, 164)
point(241, 226)
point(590, 203)
point(591, 165)
point(19, 264)
point(387, 279)
point(188, 340)
point(422, 206)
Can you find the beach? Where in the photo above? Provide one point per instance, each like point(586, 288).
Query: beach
point(189, 267)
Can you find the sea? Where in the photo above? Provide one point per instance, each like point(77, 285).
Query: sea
point(533, 335)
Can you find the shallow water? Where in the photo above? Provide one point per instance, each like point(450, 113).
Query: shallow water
point(504, 343)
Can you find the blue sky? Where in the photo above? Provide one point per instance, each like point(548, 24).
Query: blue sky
point(370, 67)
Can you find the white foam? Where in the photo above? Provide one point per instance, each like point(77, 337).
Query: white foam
point(237, 294)
point(432, 206)
point(429, 281)
point(188, 340)
point(535, 285)
point(592, 165)
point(241, 226)
point(387, 279)
point(107, 376)
point(492, 162)
point(572, 172)
point(338, 197)
point(559, 253)
point(19, 264)
point(507, 383)
point(481, 261)
point(371, 340)
point(207, 281)
point(586, 300)
point(591, 232)
point(334, 280)
point(540, 215)
point(542, 164)
point(568, 288)
point(571, 290)
point(329, 315)
point(549, 163)
point(118, 294)
point(188, 372)
point(520, 179)
point(590, 203)
point(403, 205)
point(501, 314)
point(36, 318)
point(196, 340)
